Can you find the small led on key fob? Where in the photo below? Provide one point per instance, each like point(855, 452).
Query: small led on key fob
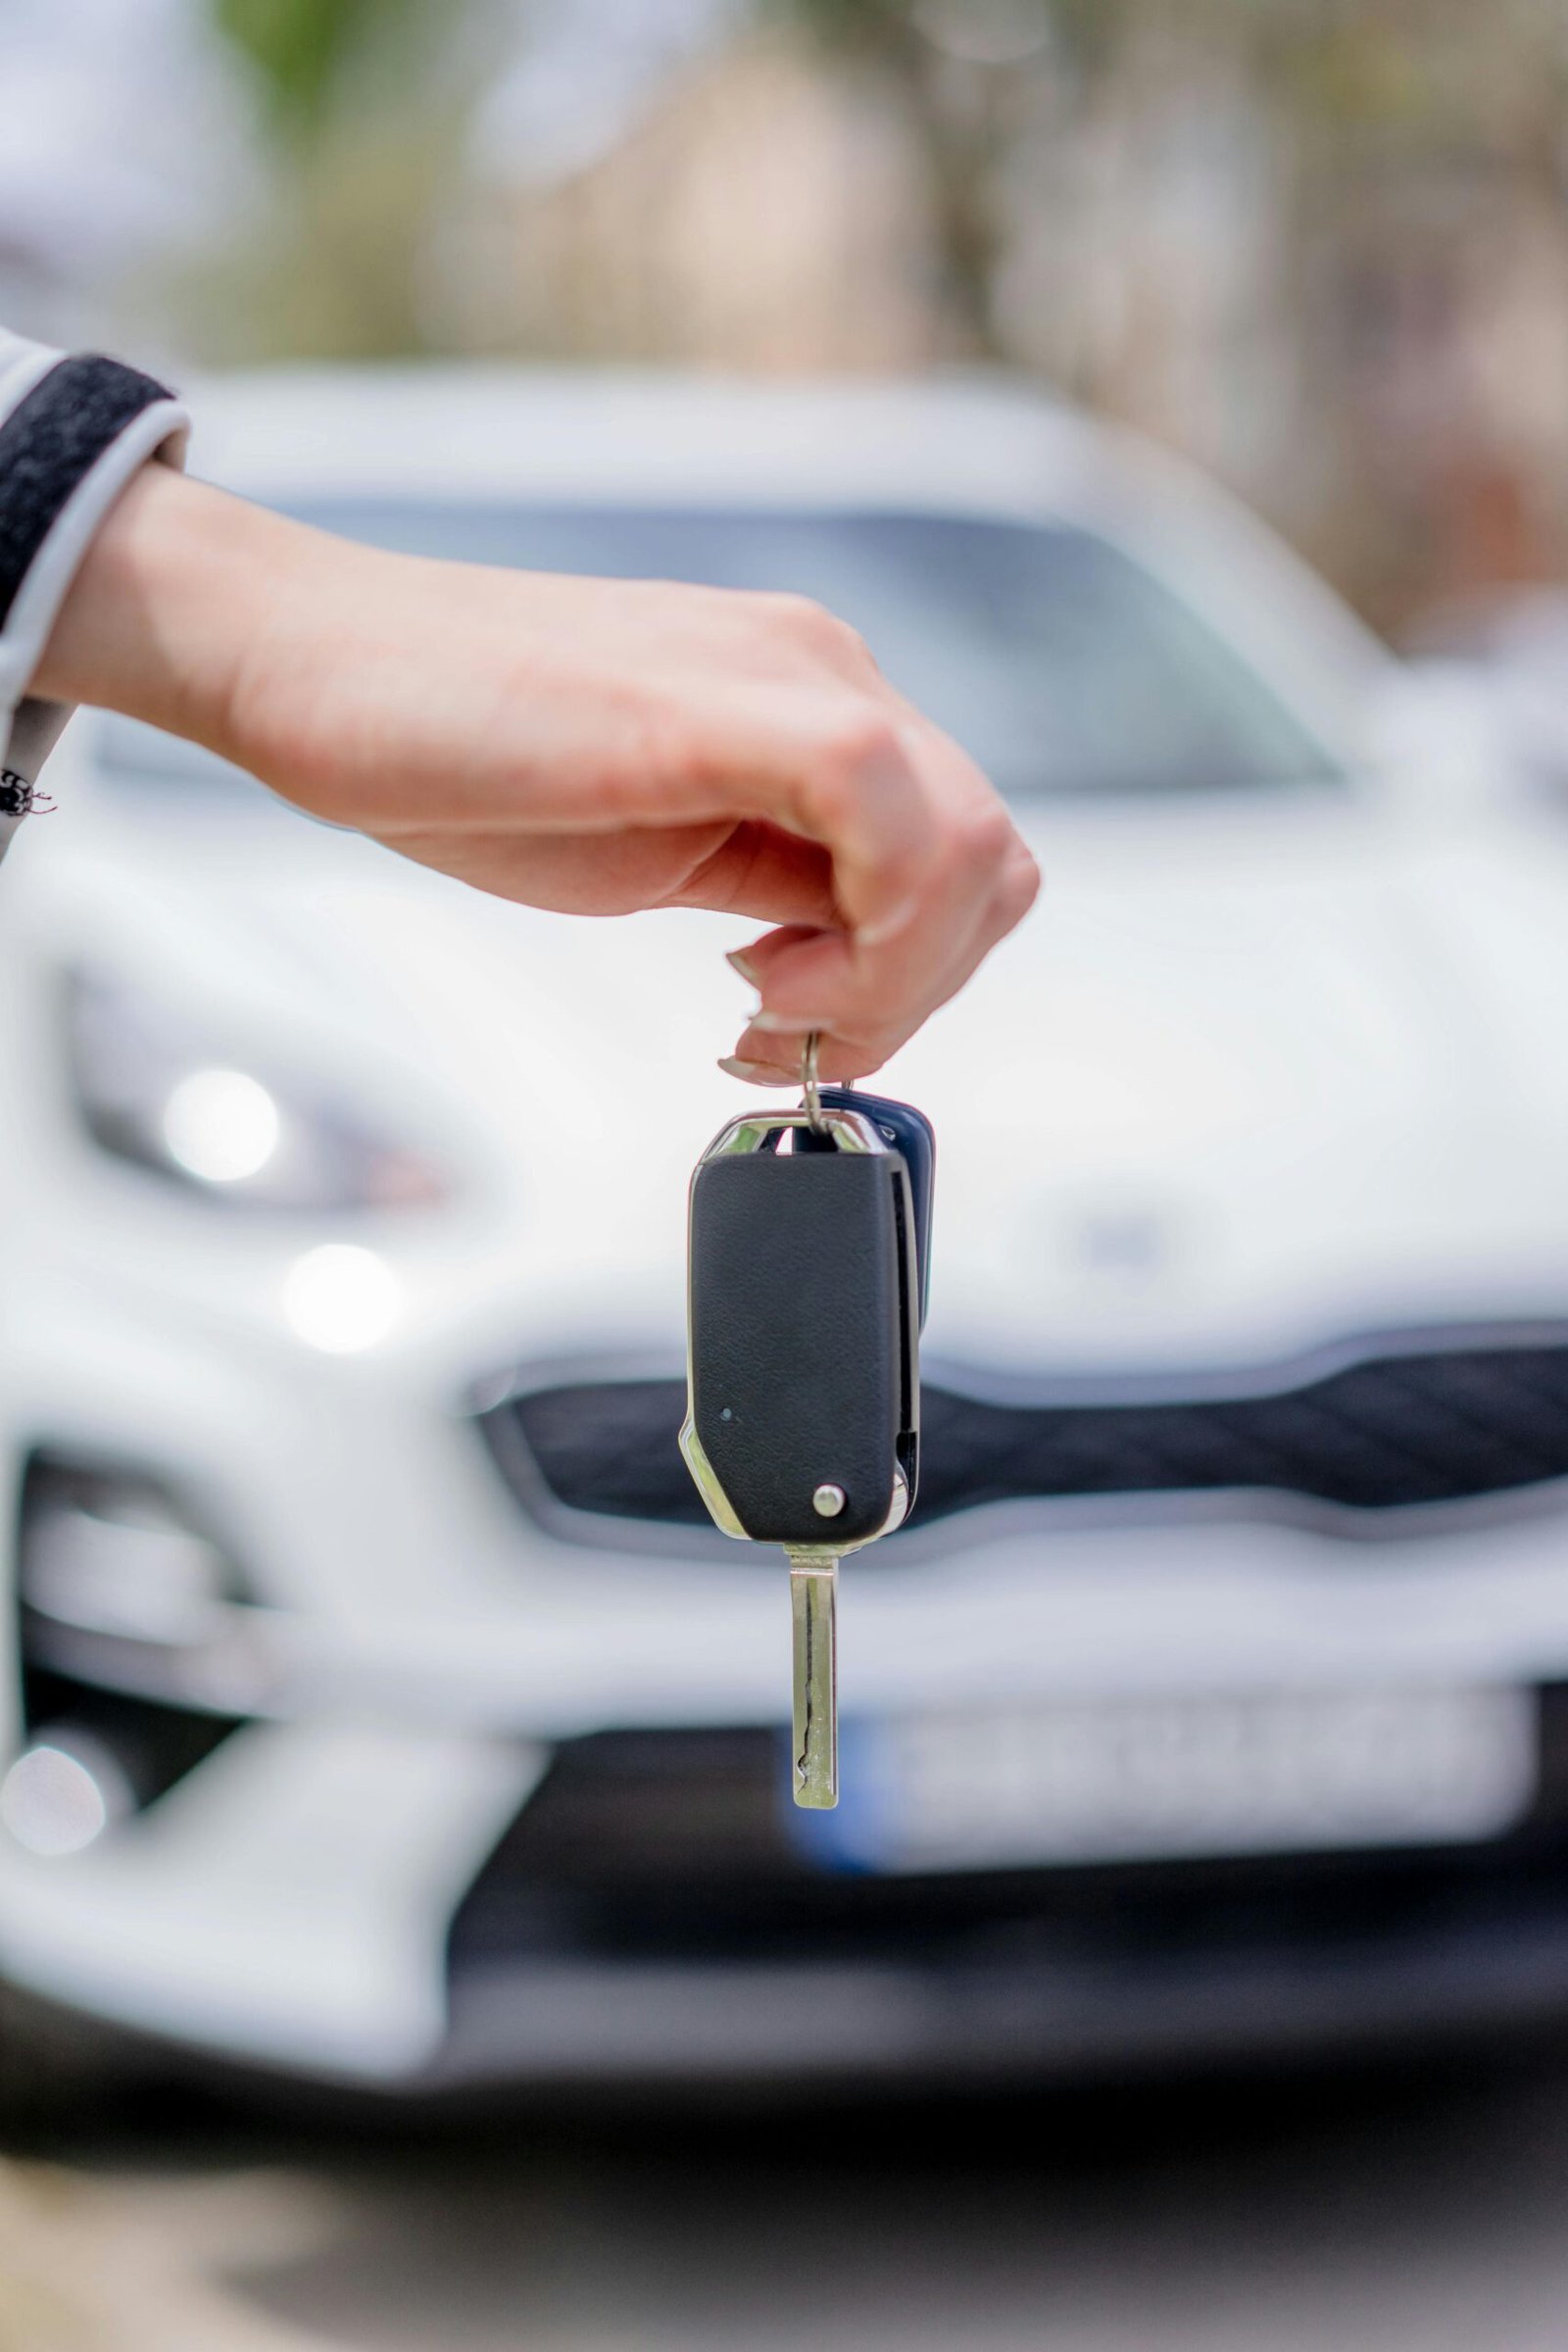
point(808, 1252)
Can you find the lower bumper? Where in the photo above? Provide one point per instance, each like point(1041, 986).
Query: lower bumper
point(733, 2023)
point(648, 1915)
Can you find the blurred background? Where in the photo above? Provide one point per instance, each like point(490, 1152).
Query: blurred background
point(1319, 248)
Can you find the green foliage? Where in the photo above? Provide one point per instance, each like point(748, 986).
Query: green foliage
point(368, 104)
point(300, 45)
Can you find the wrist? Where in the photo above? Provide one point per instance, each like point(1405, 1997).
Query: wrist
point(167, 601)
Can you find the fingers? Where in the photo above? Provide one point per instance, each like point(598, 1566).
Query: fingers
point(866, 1002)
point(737, 869)
point(873, 981)
point(913, 921)
point(762, 870)
point(886, 852)
point(762, 958)
point(840, 770)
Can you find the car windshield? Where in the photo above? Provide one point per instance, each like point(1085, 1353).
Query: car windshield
point(1059, 662)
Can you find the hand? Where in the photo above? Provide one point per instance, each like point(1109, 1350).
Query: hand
point(595, 746)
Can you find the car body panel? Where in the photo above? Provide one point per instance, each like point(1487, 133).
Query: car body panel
point(1265, 1078)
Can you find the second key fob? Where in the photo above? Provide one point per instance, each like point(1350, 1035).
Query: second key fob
point(910, 1133)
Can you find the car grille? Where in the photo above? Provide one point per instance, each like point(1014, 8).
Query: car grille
point(1397, 1427)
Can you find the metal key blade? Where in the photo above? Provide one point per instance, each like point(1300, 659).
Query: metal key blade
point(814, 1600)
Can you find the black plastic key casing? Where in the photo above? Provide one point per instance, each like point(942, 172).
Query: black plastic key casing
point(803, 1322)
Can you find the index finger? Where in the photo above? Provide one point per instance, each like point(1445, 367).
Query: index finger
point(856, 1043)
point(875, 982)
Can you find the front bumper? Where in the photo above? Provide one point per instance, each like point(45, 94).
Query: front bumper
point(422, 1659)
point(362, 1905)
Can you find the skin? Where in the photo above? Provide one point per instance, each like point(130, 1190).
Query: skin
point(594, 746)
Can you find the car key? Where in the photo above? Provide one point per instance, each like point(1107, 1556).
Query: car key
point(809, 1248)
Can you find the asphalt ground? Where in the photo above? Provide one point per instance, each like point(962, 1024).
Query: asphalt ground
point(1364, 2211)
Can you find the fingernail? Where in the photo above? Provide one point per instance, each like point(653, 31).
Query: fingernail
point(734, 1067)
point(787, 1024)
point(738, 961)
point(873, 934)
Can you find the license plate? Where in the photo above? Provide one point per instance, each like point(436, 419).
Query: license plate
point(1179, 1776)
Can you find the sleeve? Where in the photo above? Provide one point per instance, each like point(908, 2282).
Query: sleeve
point(72, 431)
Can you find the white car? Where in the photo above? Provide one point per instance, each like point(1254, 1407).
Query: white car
point(388, 1709)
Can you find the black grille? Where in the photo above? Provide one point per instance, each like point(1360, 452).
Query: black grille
point(1397, 1428)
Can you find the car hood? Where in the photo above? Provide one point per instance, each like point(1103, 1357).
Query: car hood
point(1250, 1079)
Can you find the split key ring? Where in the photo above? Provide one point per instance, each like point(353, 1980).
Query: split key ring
point(810, 1048)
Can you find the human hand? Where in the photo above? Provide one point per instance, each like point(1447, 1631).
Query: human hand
point(595, 746)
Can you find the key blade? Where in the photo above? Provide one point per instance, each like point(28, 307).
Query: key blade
point(813, 1605)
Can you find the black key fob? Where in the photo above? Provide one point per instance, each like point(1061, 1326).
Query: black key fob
point(804, 1318)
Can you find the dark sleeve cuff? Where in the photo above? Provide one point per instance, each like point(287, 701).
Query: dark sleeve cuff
point(73, 433)
point(50, 442)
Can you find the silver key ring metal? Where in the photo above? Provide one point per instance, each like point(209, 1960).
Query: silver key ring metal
point(808, 1080)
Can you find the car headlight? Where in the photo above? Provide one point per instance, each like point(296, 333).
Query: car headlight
point(154, 1088)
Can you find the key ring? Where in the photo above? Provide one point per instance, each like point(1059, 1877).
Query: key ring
point(808, 1080)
